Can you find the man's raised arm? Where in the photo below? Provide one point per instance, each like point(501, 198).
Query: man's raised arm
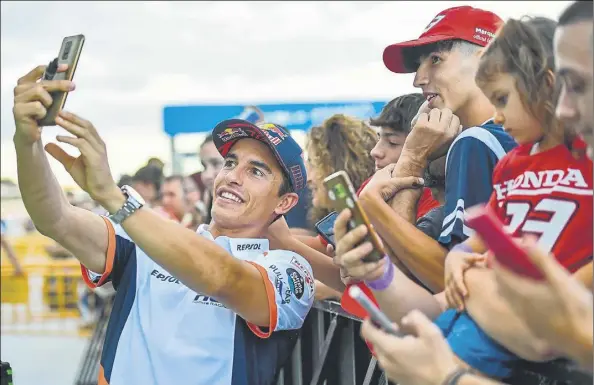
point(201, 264)
point(423, 256)
point(80, 231)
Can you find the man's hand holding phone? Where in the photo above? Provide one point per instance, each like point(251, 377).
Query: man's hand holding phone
point(91, 169)
point(422, 357)
point(32, 99)
point(350, 251)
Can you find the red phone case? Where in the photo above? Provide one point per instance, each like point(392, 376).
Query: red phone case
point(507, 252)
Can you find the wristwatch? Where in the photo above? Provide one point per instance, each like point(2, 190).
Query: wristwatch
point(133, 203)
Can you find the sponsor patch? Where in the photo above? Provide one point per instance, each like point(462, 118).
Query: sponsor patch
point(206, 300)
point(296, 282)
point(249, 246)
point(231, 133)
point(165, 278)
point(281, 286)
point(305, 272)
point(273, 133)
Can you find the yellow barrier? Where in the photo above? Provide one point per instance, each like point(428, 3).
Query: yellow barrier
point(43, 301)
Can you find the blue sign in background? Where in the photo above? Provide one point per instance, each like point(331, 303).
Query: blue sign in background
point(300, 116)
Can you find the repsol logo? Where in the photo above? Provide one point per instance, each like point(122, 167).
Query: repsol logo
point(165, 278)
point(249, 246)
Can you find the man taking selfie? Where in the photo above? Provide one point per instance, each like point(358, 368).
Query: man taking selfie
point(217, 307)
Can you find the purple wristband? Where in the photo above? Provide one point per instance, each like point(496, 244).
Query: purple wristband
point(386, 279)
point(461, 248)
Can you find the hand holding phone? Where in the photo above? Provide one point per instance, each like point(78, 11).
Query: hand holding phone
point(69, 55)
point(506, 250)
point(342, 195)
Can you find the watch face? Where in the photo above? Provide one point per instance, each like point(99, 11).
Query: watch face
point(133, 194)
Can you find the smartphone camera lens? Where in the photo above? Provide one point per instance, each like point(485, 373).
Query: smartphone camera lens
point(66, 50)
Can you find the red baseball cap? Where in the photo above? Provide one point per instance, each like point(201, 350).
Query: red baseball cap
point(464, 23)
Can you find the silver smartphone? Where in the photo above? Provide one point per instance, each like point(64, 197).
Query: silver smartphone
point(69, 54)
point(377, 316)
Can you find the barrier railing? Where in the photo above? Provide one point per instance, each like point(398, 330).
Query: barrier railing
point(45, 300)
point(329, 351)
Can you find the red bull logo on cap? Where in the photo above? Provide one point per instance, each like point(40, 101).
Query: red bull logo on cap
point(231, 133)
point(273, 133)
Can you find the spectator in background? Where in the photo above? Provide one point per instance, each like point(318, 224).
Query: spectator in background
point(573, 56)
point(179, 201)
point(394, 123)
point(156, 162)
point(174, 200)
point(339, 143)
point(212, 162)
point(125, 180)
point(147, 181)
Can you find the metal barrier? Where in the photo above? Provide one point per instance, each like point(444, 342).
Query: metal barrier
point(45, 300)
point(329, 351)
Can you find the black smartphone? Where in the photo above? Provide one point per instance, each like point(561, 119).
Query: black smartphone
point(325, 227)
point(69, 54)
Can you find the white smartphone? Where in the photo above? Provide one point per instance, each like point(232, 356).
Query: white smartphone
point(377, 316)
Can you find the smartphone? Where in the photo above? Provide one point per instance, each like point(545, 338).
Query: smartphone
point(325, 227)
point(69, 54)
point(375, 314)
point(484, 221)
point(342, 195)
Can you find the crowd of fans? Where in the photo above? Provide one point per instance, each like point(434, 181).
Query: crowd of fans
point(504, 120)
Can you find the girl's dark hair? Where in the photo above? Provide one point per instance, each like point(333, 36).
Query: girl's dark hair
point(524, 49)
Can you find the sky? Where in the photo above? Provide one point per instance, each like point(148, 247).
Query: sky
point(140, 56)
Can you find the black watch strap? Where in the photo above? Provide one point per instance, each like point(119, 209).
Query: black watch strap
point(454, 377)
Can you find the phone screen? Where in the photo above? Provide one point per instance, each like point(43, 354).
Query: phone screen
point(325, 227)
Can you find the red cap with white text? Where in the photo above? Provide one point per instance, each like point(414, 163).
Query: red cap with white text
point(463, 23)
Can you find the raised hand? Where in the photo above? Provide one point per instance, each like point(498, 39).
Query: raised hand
point(91, 169)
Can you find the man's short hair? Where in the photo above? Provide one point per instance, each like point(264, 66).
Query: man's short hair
point(125, 180)
point(577, 12)
point(398, 113)
point(206, 140)
point(149, 175)
point(412, 55)
point(173, 178)
point(285, 187)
